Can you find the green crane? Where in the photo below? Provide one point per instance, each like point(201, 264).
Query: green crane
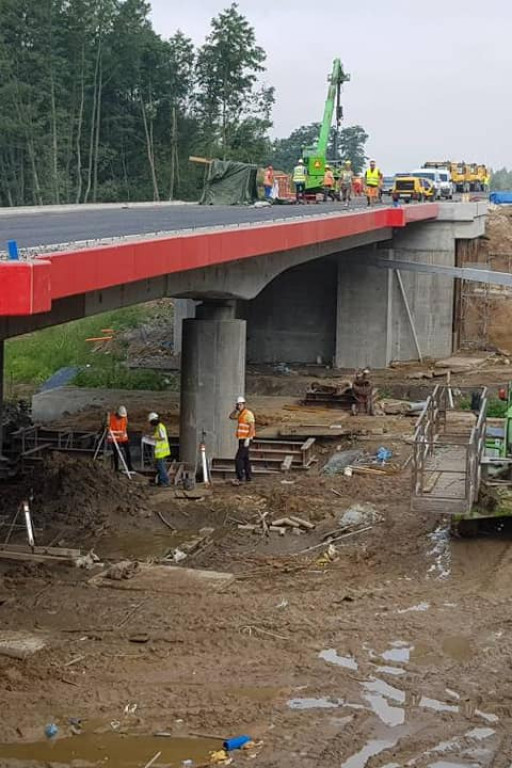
point(315, 156)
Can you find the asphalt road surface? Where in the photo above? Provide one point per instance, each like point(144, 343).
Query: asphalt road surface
point(49, 227)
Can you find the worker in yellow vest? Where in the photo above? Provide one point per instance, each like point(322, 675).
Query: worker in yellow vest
point(245, 432)
point(299, 179)
point(160, 442)
point(328, 184)
point(373, 182)
point(118, 431)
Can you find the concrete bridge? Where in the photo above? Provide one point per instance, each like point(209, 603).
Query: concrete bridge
point(290, 285)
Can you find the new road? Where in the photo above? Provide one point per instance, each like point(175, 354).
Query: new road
point(43, 227)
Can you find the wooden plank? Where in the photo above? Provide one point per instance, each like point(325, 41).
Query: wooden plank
point(287, 464)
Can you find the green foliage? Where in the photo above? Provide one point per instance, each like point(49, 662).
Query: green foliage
point(351, 142)
point(501, 179)
point(496, 408)
point(119, 377)
point(34, 358)
point(95, 106)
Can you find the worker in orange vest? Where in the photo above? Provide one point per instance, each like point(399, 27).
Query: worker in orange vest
point(245, 433)
point(268, 182)
point(118, 431)
point(328, 184)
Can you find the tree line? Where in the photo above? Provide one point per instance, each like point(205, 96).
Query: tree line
point(95, 106)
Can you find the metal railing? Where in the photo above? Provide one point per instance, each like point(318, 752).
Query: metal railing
point(446, 463)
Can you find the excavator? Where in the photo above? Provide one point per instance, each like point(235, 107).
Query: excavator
point(315, 156)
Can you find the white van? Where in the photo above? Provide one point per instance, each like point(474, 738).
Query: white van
point(440, 177)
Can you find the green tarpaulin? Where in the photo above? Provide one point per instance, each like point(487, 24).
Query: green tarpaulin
point(230, 183)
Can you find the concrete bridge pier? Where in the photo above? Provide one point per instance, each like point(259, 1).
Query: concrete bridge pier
point(1, 397)
point(212, 377)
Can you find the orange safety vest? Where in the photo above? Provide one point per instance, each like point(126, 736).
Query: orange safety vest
point(245, 427)
point(118, 426)
point(328, 179)
point(268, 180)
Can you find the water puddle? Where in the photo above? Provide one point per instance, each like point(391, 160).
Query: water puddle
point(400, 652)
point(384, 689)
point(487, 716)
point(445, 764)
point(347, 662)
point(377, 693)
point(141, 545)
point(373, 748)
point(319, 703)
point(480, 733)
point(436, 705)
point(115, 748)
point(415, 608)
point(395, 671)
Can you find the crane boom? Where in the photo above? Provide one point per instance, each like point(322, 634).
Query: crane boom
point(315, 156)
point(336, 80)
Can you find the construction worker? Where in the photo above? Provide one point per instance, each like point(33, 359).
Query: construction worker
point(346, 181)
point(268, 182)
point(245, 432)
point(373, 182)
point(328, 184)
point(118, 435)
point(357, 186)
point(160, 441)
point(299, 179)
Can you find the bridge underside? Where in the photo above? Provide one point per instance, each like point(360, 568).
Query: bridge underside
point(320, 298)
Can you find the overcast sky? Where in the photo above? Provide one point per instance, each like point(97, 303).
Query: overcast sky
point(430, 80)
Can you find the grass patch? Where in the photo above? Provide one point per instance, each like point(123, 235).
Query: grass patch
point(120, 377)
point(496, 408)
point(33, 358)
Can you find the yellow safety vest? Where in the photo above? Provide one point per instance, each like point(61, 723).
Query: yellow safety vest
point(162, 449)
point(299, 174)
point(245, 426)
point(372, 177)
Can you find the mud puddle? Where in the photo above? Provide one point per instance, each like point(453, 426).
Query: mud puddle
point(141, 545)
point(371, 749)
point(116, 749)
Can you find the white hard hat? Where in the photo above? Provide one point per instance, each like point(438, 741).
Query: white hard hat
point(240, 400)
point(301, 162)
point(153, 416)
point(122, 411)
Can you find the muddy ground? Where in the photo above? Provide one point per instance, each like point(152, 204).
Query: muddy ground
point(394, 652)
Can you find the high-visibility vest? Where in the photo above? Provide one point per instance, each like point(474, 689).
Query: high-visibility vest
point(372, 178)
point(246, 428)
point(118, 427)
point(299, 174)
point(162, 449)
point(328, 179)
point(268, 180)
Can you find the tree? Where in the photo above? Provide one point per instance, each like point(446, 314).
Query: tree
point(350, 146)
point(501, 179)
point(94, 105)
point(286, 152)
point(227, 70)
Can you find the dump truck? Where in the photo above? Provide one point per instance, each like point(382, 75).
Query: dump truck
point(466, 177)
point(315, 156)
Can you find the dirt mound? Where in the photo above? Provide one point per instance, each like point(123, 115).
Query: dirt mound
point(70, 493)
